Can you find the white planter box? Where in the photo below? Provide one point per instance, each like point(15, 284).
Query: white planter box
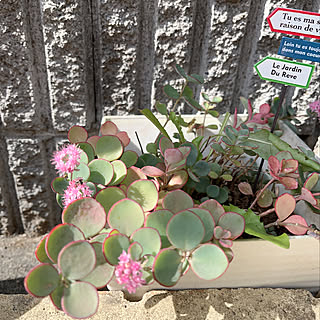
point(256, 263)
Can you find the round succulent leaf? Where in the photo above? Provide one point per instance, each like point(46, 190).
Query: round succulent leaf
point(124, 138)
point(81, 171)
point(59, 185)
point(266, 199)
point(193, 155)
point(60, 236)
point(201, 168)
point(178, 179)
point(176, 201)
point(103, 271)
point(93, 142)
point(120, 172)
point(126, 215)
point(88, 149)
point(159, 220)
point(101, 171)
point(165, 144)
point(109, 148)
point(108, 128)
point(41, 280)
point(207, 221)
point(226, 177)
point(135, 250)
point(77, 259)
point(77, 134)
point(83, 157)
point(173, 156)
point(167, 267)
point(185, 230)
point(133, 174)
point(100, 237)
point(40, 251)
point(202, 185)
point(80, 300)
point(144, 192)
point(213, 191)
point(149, 239)
point(56, 296)
point(113, 246)
point(245, 188)
point(129, 158)
point(87, 214)
point(295, 229)
point(215, 208)
point(59, 199)
point(92, 187)
point(109, 196)
point(223, 196)
point(312, 180)
point(307, 195)
point(209, 262)
point(284, 206)
point(233, 222)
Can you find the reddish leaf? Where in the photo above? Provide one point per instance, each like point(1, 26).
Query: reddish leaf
point(288, 166)
point(226, 243)
point(108, 128)
point(306, 195)
point(274, 165)
point(264, 108)
point(284, 206)
point(151, 171)
point(297, 230)
point(124, 138)
point(245, 188)
point(173, 156)
point(289, 183)
point(311, 181)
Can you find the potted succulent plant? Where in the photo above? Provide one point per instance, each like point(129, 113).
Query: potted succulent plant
point(177, 210)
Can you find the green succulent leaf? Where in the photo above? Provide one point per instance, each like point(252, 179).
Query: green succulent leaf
point(213, 191)
point(234, 222)
point(56, 296)
point(167, 268)
point(59, 185)
point(193, 103)
point(60, 236)
point(103, 271)
point(120, 172)
point(176, 201)
point(80, 300)
point(161, 108)
point(81, 171)
point(87, 214)
point(101, 171)
point(40, 252)
point(185, 230)
point(42, 280)
point(113, 246)
point(77, 259)
point(88, 149)
point(209, 262)
point(171, 92)
point(129, 158)
point(135, 250)
point(149, 239)
point(207, 221)
point(201, 168)
point(109, 196)
point(159, 220)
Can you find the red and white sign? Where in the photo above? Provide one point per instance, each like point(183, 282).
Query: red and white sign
point(295, 22)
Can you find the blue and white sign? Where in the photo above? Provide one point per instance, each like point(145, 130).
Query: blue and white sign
point(300, 49)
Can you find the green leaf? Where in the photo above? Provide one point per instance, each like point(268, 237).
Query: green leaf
point(216, 100)
point(109, 196)
point(129, 158)
point(205, 96)
point(152, 148)
point(185, 230)
point(256, 228)
point(201, 168)
point(198, 79)
point(171, 92)
point(213, 191)
point(207, 221)
point(161, 108)
point(77, 259)
point(213, 113)
point(113, 246)
point(40, 252)
point(101, 171)
point(212, 126)
point(209, 261)
point(59, 185)
point(149, 239)
point(147, 113)
point(168, 267)
point(42, 280)
point(177, 200)
point(109, 148)
point(80, 300)
point(193, 103)
point(187, 92)
point(175, 120)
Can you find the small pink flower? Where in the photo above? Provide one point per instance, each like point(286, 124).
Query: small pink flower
point(128, 272)
point(315, 107)
point(76, 190)
point(66, 159)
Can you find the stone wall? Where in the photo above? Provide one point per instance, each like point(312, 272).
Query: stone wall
point(71, 62)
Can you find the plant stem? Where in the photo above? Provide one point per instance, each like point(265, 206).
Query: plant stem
point(265, 213)
point(261, 191)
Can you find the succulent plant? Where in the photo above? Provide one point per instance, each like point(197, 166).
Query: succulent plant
point(153, 217)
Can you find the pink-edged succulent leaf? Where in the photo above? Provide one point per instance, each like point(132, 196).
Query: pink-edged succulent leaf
point(93, 141)
point(215, 208)
point(311, 181)
point(234, 222)
point(295, 229)
point(177, 200)
point(289, 183)
point(133, 174)
point(185, 150)
point(178, 179)
point(274, 166)
point(307, 195)
point(245, 188)
point(266, 199)
point(172, 156)
point(151, 171)
point(77, 134)
point(289, 166)
point(284, 206)
point(124, 138)
point(109, 128)
point(264, 109)
point(165, 144)
point(226, 243)
point(218, 232)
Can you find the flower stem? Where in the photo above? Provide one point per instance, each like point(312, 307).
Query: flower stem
point(261, 191)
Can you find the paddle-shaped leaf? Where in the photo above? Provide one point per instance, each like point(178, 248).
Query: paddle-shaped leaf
point(284, 206)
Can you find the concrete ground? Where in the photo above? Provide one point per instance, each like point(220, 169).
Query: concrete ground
point(17, 258)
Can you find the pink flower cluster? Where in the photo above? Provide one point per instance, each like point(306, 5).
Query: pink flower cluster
point(315, 107)
point(66, 159)
point(76, 190)
point(128, 272)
